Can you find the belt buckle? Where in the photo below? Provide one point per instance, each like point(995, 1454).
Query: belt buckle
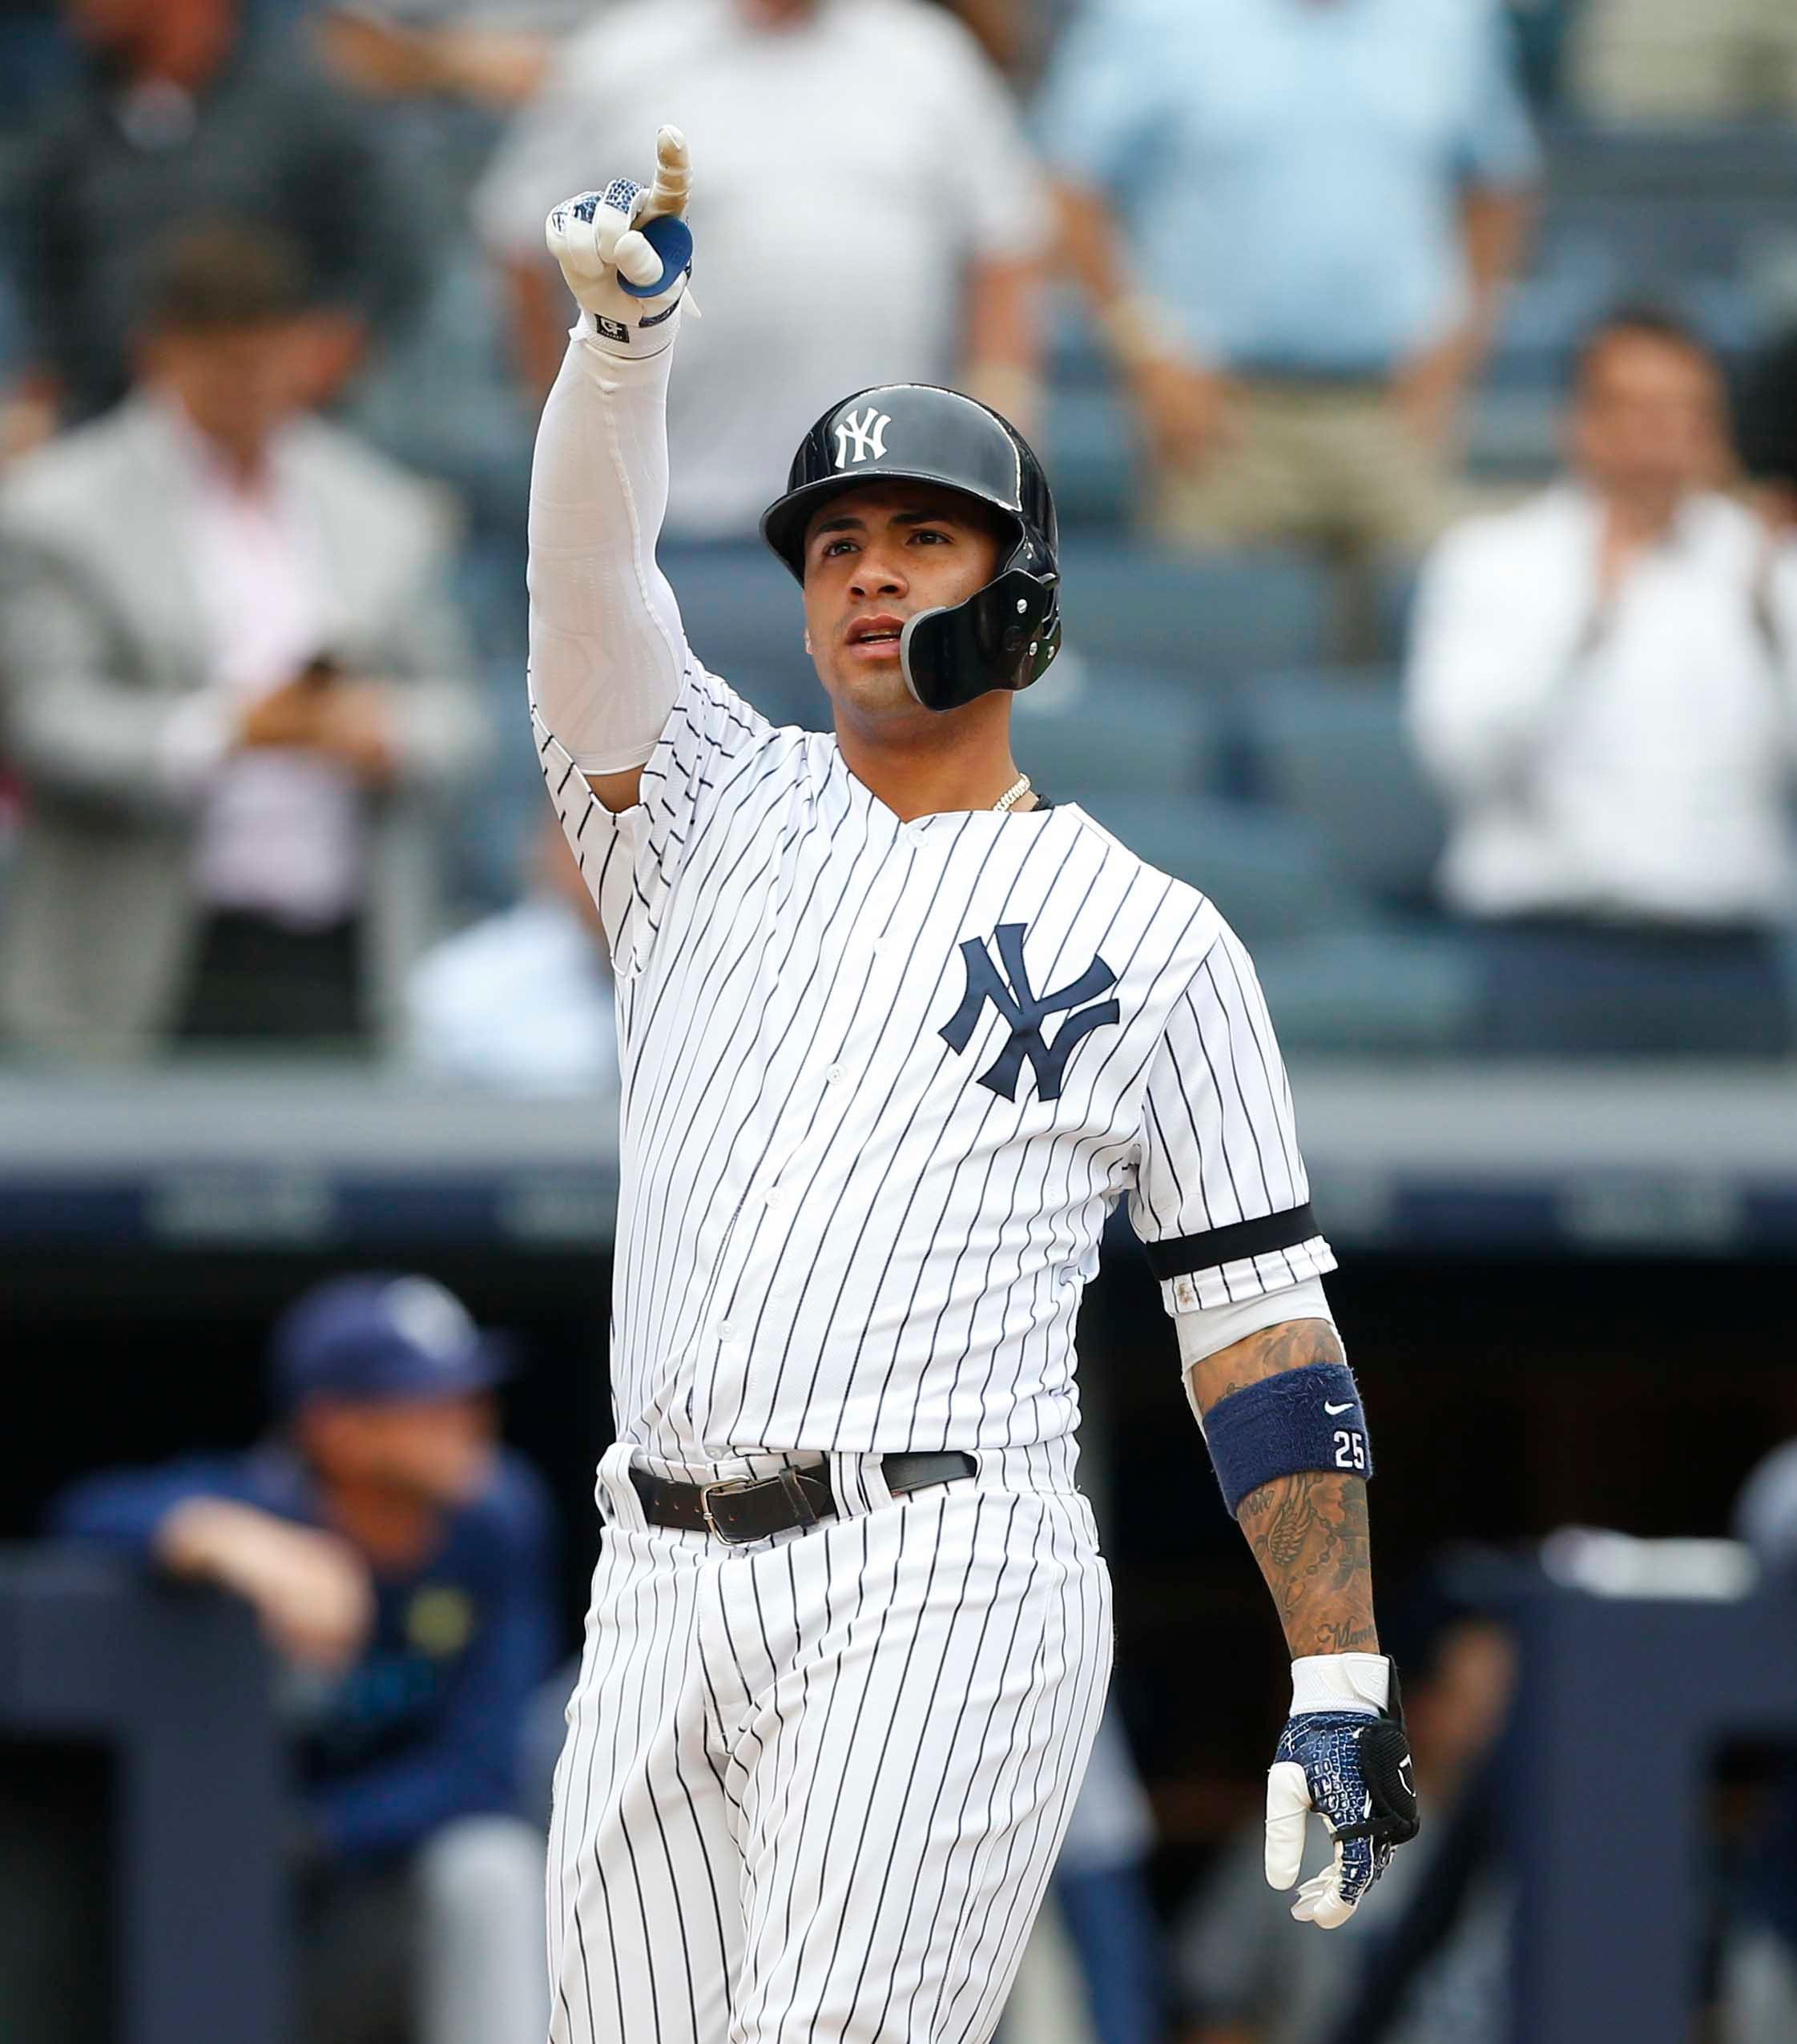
point(726, 1484)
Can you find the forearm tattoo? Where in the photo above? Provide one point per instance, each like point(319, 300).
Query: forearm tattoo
point(1308, 1531)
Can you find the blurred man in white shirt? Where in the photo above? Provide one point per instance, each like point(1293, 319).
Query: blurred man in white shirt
point(1603, 683)
point(522, 1002)
point(904, 179)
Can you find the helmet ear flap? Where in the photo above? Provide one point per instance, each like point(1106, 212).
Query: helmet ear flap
point(1002, 637)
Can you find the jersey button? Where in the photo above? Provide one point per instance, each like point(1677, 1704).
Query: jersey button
point(726, 1332)
point(832, 1076)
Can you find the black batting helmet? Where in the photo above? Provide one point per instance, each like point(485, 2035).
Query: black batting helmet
point(1003, 636)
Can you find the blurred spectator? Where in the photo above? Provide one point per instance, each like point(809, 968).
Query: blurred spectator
point(401, 1564)
point(1603, 681)
point(231, 680)
point(824, 134)
point(523, 1002)
point(1245, 1978)
point(1667, 62)
point(1295, 224)
point(494, 53)
point(181, 116)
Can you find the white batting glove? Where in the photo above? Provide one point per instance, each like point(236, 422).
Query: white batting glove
point(597, 238)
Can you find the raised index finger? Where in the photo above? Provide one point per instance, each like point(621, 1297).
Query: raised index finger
point(673, 176)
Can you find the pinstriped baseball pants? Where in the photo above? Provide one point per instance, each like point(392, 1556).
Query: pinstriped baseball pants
point(814, 1788)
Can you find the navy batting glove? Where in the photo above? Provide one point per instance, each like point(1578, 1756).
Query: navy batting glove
point(1351, 1766)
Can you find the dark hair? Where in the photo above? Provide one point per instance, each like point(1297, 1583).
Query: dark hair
point(1646, 318)
point(224, 274)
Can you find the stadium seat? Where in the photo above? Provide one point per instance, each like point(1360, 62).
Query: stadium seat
point(1394, 601)
point(1373, 992)
point(1088, 731)
point(1088, 450)
point(1211, 617)
point(1330, 746)
point(1267, 873)
point(744, 620)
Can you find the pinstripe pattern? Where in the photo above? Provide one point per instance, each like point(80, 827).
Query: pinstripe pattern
point(832, 1234)
point(814, 1789)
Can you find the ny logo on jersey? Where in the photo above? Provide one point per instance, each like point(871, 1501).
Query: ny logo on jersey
point(1007, 987)
point(868, 430)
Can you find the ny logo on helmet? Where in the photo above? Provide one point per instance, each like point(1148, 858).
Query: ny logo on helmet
point(1007, 987)
point(868, 430)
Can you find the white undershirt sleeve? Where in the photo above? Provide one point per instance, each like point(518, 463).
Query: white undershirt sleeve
point(1204, 1330)
point(607, 651)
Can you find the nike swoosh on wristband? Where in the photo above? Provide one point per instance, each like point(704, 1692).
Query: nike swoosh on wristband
point(1332, 1410)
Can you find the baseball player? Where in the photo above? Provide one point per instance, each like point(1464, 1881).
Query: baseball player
point(896, 1032)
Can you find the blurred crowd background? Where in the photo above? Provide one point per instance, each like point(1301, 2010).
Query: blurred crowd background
point(1418, 383)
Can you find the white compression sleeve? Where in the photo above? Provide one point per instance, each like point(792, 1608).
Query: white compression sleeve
point(1202, 1333)
point(606, 648)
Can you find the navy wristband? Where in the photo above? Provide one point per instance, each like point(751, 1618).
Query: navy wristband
point(1297, 1420)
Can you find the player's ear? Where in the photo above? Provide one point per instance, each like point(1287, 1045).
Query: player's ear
point(807, 644)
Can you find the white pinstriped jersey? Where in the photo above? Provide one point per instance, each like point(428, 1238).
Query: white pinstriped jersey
point(883, 1081)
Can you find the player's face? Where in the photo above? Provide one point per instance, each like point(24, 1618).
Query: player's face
point(438, 1451)
point(875, 557)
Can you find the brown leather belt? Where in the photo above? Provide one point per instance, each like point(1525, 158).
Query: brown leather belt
point(743, 1509)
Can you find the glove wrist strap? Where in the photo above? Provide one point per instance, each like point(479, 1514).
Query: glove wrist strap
point(1341, 1682)
point(636, 340)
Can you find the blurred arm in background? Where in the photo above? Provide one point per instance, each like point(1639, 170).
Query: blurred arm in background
point(1428, 390)
point(490, 66)
point(1004, 28)
point(1494, 644)
point(198, 1519)
point(1498, 170)
point(314, 1593)
point(81, 723)
point(1184, 401)
point(1002, 365)
point(1008, 207)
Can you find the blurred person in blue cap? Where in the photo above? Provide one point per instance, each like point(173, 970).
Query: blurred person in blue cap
point(401, 1563)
